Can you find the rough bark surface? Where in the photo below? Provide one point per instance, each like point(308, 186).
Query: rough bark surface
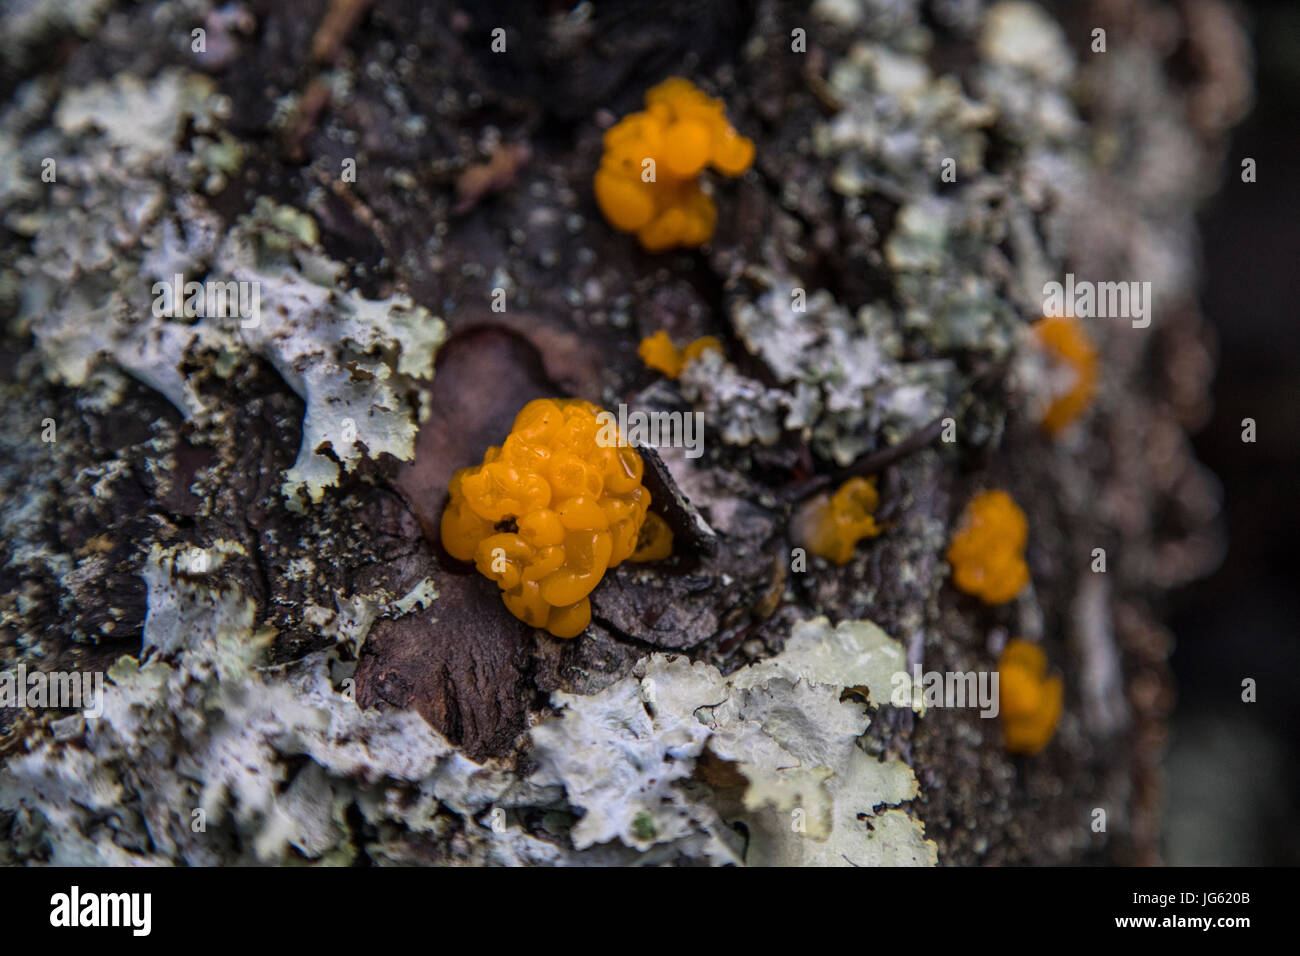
point(473, 173)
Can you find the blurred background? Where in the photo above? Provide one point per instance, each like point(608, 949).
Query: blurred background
point(1233, 769)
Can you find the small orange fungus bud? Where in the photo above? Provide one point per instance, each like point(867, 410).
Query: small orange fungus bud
point(832, 526)
point(648, 181)
point(1068, 345)
point(659, 353)
point(987, 553)
point(655, 542)
point(1029, 701)
point(548, 512)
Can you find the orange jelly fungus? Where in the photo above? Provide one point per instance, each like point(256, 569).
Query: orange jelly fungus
point(987, 553)
point(656, 541)
point(659, 353)
point(832, 527)
point(548, 512)
point(1066, 342)
point(681, 130)
point(1029, 700)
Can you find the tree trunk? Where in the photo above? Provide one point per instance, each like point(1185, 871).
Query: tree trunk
point(238, 525)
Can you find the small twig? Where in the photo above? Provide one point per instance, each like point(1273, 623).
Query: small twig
point(496, 174)
point(829, 103)
point(870, 464)
point(360, 211)
point(340, 20)
point(310, 106)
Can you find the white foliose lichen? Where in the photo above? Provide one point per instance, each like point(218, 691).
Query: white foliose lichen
point(202, 756)
point(26, 24)
point(354, 361)
point(844, 379)
point(93, 286)
point(899, 124)
point(670, 757)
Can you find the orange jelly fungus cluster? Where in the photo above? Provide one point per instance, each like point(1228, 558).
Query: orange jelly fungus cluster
point(1029, 700)
point(682, 130)
point(656, 541)
point(987, 553)
point(1066, 342)
point(835, 525)
point(549, 511)
point(659, 353)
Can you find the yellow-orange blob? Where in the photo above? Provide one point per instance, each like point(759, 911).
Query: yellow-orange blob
point(648, 181)
point(549, 511)
point(832, 527)
point(1029, 701)
point(655, 542)
point(987, 553)
point(659, 353)
point(1066, 342)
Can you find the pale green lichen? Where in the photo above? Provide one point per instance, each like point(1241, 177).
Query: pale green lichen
point(26, 24)
point(350, 620)
point(843, 375)
point(889, 95)
point(196, 756)
point(141, 120)
point(355, 361)
point(850, 380)
point(191, 759)
point(635, 758)
point(89, 288)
